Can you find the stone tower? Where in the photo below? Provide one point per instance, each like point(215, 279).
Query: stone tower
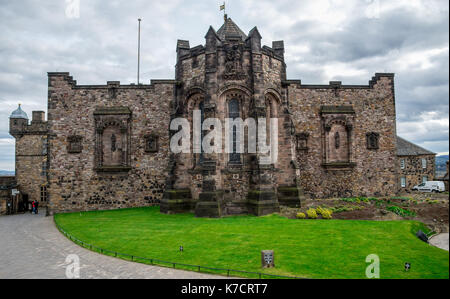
point(233, 77)
point(31, 154)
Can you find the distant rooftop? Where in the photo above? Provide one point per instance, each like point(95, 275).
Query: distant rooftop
point(406, 148)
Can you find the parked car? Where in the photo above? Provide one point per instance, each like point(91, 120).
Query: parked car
point(430, 187)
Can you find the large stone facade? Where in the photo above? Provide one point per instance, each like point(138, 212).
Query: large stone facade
point(108, 146)
point(97, 144)
point(352, 168)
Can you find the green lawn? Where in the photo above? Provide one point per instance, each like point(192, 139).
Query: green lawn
point(305, 248)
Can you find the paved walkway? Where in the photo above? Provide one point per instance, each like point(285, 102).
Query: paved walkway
point(31, 247)
point(440, 241)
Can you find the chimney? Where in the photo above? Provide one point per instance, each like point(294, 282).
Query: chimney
point(38, 117)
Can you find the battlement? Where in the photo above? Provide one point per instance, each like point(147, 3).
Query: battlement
point(21, 126)
point(338, 84)
point(56, 79)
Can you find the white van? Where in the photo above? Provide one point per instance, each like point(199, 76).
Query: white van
point(430, 187)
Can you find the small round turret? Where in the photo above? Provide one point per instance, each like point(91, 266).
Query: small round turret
point(19, 114)
point(18, 121)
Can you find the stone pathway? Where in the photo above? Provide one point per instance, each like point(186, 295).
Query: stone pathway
point(440, 241)
point(32, 247)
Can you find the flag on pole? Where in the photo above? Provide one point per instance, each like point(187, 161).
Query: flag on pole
point(222, 7)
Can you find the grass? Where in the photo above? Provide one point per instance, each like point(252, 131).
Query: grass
point(306, 248)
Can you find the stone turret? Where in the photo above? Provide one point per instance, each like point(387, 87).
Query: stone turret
point(19, 124)
point(31, 153)
point(18, 121)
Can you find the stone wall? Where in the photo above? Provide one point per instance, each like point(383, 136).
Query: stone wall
point(362, 109)
point(6, 186)
point(414, 172)
point(75, 181)
point(31, 165)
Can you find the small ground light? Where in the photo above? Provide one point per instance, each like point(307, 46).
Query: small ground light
point(181, 248)
point(407, 267)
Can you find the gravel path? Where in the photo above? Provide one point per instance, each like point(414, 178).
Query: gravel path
point(440, 241)
point(31, 247)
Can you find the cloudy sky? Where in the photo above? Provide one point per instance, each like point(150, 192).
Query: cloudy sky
point(326, 40)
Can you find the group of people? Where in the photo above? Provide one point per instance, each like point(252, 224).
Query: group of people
point(34, 207)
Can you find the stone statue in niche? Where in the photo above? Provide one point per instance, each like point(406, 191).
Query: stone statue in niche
point(338, 126)
point(113, 143)
point(112, 147)
point(337, 140)
point(112, 139)
point(233, 63)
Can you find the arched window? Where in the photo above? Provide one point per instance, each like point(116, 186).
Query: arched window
point(234, 113)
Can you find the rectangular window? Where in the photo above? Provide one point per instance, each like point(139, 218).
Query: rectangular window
point(403, 163)
point(424, 179)
point(403, 182)
point(44, 169)
point(424, 163)
point(44, 146)
point(43, 193)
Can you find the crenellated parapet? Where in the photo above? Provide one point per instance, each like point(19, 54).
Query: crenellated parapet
point(19, 124)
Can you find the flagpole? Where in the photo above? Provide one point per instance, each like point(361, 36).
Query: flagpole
point(223, 7)
point(139, 51)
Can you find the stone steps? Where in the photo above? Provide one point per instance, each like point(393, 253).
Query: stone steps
point(290, 196)
point(177, 202)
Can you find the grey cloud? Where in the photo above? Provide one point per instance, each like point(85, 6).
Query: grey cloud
point(101, 46)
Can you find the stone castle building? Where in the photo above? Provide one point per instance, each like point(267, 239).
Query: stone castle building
point(107, 146)
point(417, 165)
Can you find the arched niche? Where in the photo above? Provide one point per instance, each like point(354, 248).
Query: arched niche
point(112, 139)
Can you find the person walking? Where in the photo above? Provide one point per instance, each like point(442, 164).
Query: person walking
point(33, 207)
point(37, 207)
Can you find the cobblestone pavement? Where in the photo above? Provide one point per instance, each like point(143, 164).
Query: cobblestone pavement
point(32, 247)
point(440, 241)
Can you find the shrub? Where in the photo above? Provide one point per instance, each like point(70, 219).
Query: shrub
point(327, 214)
point(358, 200)
point(352, 200)
point(337, 210)
point(301, 216)
point(312, 214)
point(319, 210)
point(401, 212)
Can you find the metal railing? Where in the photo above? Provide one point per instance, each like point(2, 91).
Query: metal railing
point(157, 262)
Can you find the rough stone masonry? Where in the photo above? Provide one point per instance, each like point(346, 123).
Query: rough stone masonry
point(107, 147)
